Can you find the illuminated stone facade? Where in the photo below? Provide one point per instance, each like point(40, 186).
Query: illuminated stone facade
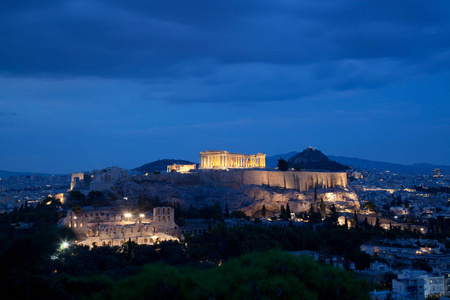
point(180, 168)
point(109, 228)
point(97, 180)
point(218, 159)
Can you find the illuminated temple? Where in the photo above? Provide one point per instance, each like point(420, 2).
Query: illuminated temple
point(218, 159)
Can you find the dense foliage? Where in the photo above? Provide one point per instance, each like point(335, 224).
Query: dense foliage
point(33, 265)
point(267, 275)
point(282, 165)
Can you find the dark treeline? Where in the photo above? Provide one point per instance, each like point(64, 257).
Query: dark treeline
point(34, 266)
point(432, 190)
point(266, 275)
point(28, 270)
point(45, 215)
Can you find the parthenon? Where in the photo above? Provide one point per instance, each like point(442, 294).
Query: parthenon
point(218, 159)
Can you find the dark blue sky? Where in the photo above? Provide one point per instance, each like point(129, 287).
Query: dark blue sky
point(88, 84)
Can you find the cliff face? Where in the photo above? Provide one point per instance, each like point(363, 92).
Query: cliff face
point(248, 198)
point(299, 181)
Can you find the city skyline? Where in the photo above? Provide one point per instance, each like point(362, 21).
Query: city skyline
point(90, 84)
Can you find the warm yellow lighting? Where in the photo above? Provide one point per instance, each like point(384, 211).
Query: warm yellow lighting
point(127, 215)
point(64, 245)
point(141, 215)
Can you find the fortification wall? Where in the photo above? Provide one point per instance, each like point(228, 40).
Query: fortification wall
point(299, 181)
point(77, 182)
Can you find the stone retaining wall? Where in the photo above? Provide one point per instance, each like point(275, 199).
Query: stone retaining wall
point(299, 181)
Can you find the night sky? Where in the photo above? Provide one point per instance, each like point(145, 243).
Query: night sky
point(91, 84)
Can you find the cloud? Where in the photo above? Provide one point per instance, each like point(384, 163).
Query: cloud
point(260, 82)
point(226, 51)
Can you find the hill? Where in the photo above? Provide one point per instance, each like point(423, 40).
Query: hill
point(272, 161)
point(418, 168)
point(161, 165)
point(313, 159)
point(4, 174)
point(365, 164)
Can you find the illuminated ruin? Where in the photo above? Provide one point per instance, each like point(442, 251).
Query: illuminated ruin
point(218, 159)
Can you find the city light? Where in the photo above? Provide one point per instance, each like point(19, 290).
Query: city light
point(64, 245)
point(127, 215)
point(141, 215)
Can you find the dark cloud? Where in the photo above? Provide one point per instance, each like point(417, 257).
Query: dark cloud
point(212, 48)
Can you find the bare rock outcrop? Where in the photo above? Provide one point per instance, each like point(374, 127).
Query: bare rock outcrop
point(247, 198)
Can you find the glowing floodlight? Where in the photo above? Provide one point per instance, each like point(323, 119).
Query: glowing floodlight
point(65, 245)
point(127, 215)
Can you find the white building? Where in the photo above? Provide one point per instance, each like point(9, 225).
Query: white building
point(416, 281)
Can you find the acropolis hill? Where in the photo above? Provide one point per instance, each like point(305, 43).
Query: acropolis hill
point(243, 182)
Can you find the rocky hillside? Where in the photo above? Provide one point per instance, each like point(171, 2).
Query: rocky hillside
point(160, 165)
point(248, 198)
point(313, 159)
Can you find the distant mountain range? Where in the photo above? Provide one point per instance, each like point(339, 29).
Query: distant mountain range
point(4, 174)
point(272, 162)
point(419, 168)
point(161, 165)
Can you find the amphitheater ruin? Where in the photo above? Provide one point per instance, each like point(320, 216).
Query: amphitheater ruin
point(111, 228)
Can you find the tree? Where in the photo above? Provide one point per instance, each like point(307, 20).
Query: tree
point(334, 216)
point(315, 193)
point(253, 275)
point(369, 205)
point(377, 224)
point(97, 198)
point(311, 209)
point(421, 264)
point(288, 211)
point(282, 212)
point(211, 212)
point(76, 196)
point(365, 224)
point(76, 209)
point(355, 220)
point(238, 214)
point(314, 216)
point(322, 207)
point(227, 212)
point(264, 211)
point(406, 203)
point(282, 165)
